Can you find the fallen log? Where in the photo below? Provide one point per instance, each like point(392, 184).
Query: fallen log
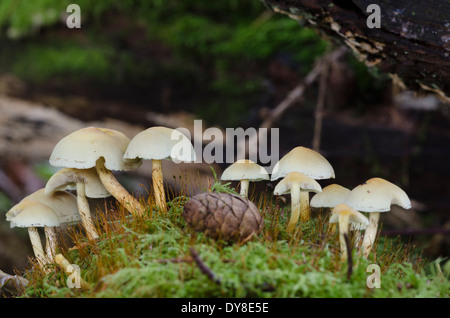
point(411, 41)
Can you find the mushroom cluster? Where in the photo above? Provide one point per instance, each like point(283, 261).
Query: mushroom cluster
point(299, 171)
point(87, 158)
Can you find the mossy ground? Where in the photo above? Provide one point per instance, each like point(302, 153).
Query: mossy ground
point(151, 257)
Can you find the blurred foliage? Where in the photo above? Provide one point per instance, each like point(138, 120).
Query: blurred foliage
point(208, 53)
point(5, 202)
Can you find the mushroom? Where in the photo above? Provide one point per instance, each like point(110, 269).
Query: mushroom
point(88, 185)
point(64, 204)
point(374, 196)
point(331, 196)
point(343, 215)
point(295, 183)
point(307, 162)
point(103, 149)
point(245, 170)
point(156, 144)
point(32, 214)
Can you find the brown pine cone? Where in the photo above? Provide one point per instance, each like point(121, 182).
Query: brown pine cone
point(221, 215)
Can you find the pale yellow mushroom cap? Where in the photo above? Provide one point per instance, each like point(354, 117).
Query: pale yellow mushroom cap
point(306, 161)
point(63, 203)
point(292, 178)
point(377, 195)
point(331, 196)
point(67, 178)
point(355, 217)
point(82, 148)
point(31, 213)
point(160, 143)
point(245, 169)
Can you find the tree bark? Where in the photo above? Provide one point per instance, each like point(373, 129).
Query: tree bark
point(412, 43)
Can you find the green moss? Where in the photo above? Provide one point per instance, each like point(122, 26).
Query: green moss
point(150, 257)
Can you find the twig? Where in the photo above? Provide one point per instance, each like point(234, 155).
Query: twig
point(297, 92)
point(203, 267)
point(318, 115)
point(415, 232)
point(174, 260)
point(349, 256)
point(275, 114)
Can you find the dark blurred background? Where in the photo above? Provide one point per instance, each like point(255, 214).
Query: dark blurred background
point(135, 64)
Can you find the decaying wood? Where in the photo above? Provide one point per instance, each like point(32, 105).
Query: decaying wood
point(12, 283)
point(413, 41)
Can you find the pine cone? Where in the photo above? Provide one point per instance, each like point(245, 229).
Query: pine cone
point(223, 216)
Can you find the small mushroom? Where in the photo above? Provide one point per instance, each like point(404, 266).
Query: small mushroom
point(343, 215)
point(307, 162)
point(157, 144)
point(374, 196)
point(245, 171)
point(331, 196)
point(64, 204)
point(298, 185)
point(32, 214)
point(88, 185)
point(103, 149)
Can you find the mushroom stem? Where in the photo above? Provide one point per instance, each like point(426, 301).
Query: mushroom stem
point(343, 230)
point(36, 244)
point(117, 190)
point(358, 237)
point(244, 187)
point(68, 269)
point(85, 213)
point(158, 185)
point(305, 212)
point(370, 234)
point(51, 243)
point(295, 207)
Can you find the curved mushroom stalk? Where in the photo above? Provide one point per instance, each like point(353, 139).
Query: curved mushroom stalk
point(85, 213)
point(117, 190)
point(370, 234)
point(103, 149)
point(68, 269)
point(158, 185)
